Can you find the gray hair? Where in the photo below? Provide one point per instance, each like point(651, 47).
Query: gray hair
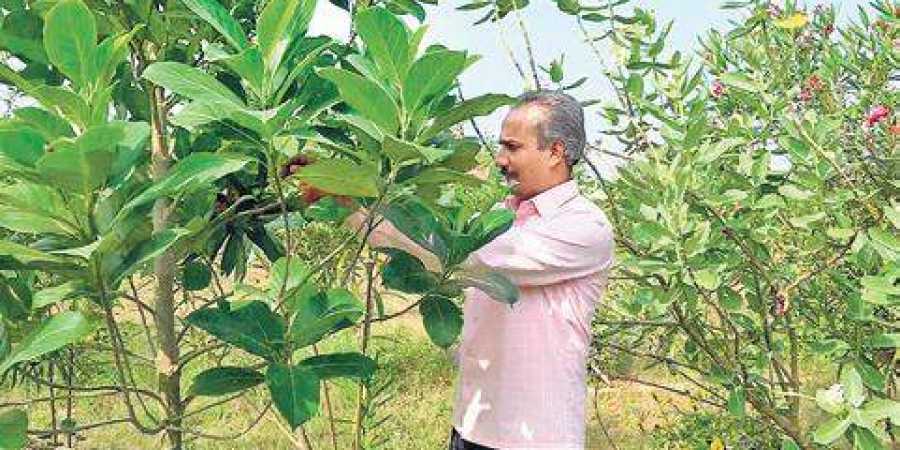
point(564, 122)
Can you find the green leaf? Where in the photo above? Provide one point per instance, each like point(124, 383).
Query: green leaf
point(217, 16)
point(295, 392)
point(885, 340)
point(52, 295)
point(13, 429)
point(879, 409)
point(54, 333)
point(864, 439)
point(195, 172)
point(280, 24)
point(405, 273)
point(17, 256)
point(854, 391)
point(709, 153)
point(736, 402)
point(443, 319)
point(24, 146)
point(386, 39)
point(418, 223)
point(365, 96)
point(48, 124)
point(489, 225)
point(252, 327)
point(320, 315)
point(871, 376)
point(477, 106)
point(707, 279)
point(70, 36)
point(146, 252)
point(741, 81)
point(190, 82)
point(831, 430)
point(248, 64)
point(341, 177)
point(340, 365)
point(224, 380)
point(108, 55)
point(789, 444)
point(34, 208)
point(495, 285)
point(400, 151)
point(295, 276)
point(442, 177)
point(431, 76)
point(84, 164)
point(196, 276)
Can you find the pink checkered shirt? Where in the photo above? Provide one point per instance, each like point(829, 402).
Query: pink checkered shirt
point(522, 378)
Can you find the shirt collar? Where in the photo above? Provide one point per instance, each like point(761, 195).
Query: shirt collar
point(549, 201)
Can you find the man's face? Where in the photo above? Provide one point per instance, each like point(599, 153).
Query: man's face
point(522, 162)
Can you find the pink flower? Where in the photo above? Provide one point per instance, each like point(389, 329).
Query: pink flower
point(877, 114)
point(895, 129)
point(718, 89)
point(805, 95)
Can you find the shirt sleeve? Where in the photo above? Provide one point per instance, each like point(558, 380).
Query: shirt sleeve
point(568, 247)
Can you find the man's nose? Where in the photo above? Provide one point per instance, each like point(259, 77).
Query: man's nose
point(500, 159)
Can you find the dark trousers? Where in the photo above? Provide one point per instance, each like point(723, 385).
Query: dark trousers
point(458, 443)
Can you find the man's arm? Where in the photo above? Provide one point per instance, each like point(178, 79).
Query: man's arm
point(569, 247)
point(386, 235)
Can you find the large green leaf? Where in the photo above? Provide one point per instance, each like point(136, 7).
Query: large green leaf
point(431, 76)
point(406, 273)
point(443, 319)
point(70, 36)
point(495, 285)
point(365, 96)
point(197, 171)
point(831, 430)
point(252, 327)
point(217, 16)
point(340, 365)
point(225, 380)
point(15, 299)
point(386, 39)
point(17, 256)
point(48, 124)
point(35, 208)
point(84, 164)
point(478, 106)
point(295, 392)
point(418, 223)
point(320, 315)
point(52, 295)
point(21, 34)
point(341, 177)
point(24, 146)
point(146, 252)
point(295, 277)
point(54, 333)
point(281, 23)
point(13, 429)
point(190, 82)
point(248, 64)
point(108, 55)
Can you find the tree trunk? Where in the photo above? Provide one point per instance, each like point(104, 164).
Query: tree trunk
point(164, 270)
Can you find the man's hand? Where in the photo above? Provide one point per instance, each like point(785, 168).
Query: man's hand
point(310, 194)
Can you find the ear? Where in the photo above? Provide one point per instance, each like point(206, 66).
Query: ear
point(558, 152)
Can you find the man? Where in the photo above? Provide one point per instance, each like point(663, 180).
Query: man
point(522, 381)
point(522, 375)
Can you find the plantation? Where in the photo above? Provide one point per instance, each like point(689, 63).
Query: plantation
point(177, 267)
